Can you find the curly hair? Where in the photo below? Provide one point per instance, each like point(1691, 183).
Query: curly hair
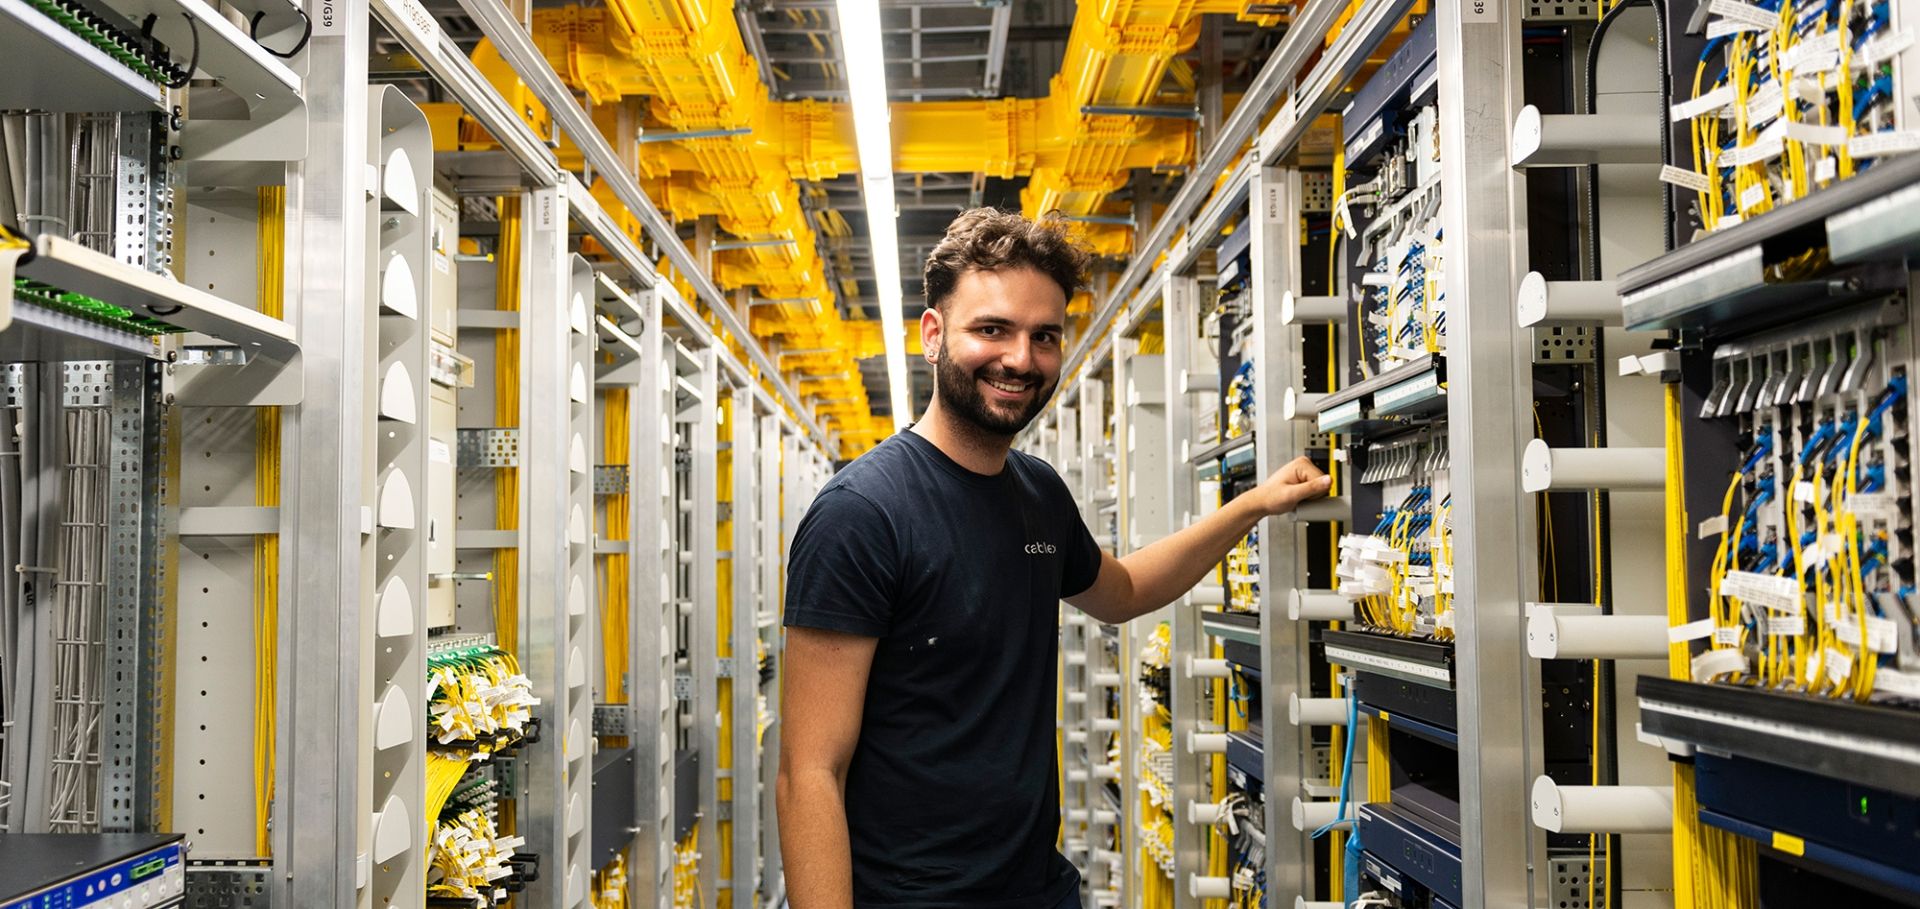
point(988, 239)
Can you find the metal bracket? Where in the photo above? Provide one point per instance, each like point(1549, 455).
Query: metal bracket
point(611, 719)
point(86, 383)
point(610, 479)
point(495, 447)
point(13, 385)
point(682, 687)
point(725, 669)
point(1567, 881)
point(1563, 344)
point(227, 886)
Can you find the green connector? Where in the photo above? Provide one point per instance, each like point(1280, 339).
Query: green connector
point(81, 306)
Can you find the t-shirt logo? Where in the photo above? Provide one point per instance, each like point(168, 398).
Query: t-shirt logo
point(1040, 549)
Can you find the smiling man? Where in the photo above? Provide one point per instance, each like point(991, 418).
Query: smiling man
point(917, 751)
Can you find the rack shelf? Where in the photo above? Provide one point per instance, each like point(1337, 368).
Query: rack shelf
point(66, 264)
point(51, 68)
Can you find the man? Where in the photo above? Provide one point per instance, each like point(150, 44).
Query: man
point(917, 764)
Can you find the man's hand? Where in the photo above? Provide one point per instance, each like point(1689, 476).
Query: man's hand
point(1296, 482)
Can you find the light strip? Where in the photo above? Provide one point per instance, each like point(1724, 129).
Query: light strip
point(866, 70)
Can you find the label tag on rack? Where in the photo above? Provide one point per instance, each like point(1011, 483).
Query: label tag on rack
point(1874, 145)
point(1683, 178)
point(1767, 590)
point(1713, 526)
point(1715, 663)
point(1692, 631)
point(1713, 100)
point(1747, 13)
point(1786, 626)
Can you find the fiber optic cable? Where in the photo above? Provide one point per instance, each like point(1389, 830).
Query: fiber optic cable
point(271, 284)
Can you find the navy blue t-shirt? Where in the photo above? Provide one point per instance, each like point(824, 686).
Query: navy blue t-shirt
point(953, 798)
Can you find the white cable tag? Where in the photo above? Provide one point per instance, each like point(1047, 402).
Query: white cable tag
point(1766, 590)
point(1727, 637)
point(1825, 170)
point(1713, 526)
point(1767, 103)
point(1736, 11)
point(1883, 636)
point(1839, 666)
point(1803, 493)
point(1873, 145)
point(1721, 28)
point(1752, 197)
point(1812, 53)
point(1692, 631)
point(1818, 135)
point(1876, 506)
point(1786, 626)
point(1687, 110)
point(1727, 221)
point(1765, 147)
point(1714, 663)
point(1683, 178)
point(1894, 682)
point(1882, 48)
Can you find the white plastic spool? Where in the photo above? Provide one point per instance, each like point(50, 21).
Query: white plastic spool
point(1561, 140)
point(1543, 468)
point(1318, 606)
point(1317, 711)
point(1300, 405)
point(1309, 816)
point(1207, 742)
point(1540, 301)
point(1202, 668)
point(1558, 631)
point(1209, 888)
point(1298, 309)
point(1208, 595)
point(1602, 809)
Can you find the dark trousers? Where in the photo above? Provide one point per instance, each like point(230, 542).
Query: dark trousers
point(1072, 901)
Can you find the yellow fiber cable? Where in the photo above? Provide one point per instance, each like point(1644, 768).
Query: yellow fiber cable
point(271, 287)
point(615, 568)
point(724, 464)
point(506, 413)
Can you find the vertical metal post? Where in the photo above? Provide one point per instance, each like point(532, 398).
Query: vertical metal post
point(650, 632)
point(777, 475)
point(323, 807)
point(744, 634)
point(1489, 368)
point(545, 499)
point(703, 649)
point(1274, 198)
point(1177, 315)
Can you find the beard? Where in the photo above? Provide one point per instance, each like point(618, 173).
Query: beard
point(960, 391)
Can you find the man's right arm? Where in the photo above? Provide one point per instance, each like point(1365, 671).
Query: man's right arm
point(824, 687)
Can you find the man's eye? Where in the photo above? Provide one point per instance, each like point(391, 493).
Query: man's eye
point(990, 330)
point(1045, 337)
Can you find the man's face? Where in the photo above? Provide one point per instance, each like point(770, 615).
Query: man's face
point(997, 347)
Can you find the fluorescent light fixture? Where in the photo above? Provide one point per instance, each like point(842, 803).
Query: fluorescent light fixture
point(866, 70)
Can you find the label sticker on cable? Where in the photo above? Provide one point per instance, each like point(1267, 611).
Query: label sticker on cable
point(1747, 13)
point(1683, 178)
point(1825, 170)
point(1839, 666)
point(1753, 197)
point(1876, 506)
point(1786, 626)
point(1714, 663)
point(1882, 634)
point(1721, 28)
point(1882, 48)
point(1818, 135)
point(1727, 637)
point(1894, 682)
point(1766, 147)
point(1713, 526)
point(1766, 590)
point(1718, 98)
point(1804, 493)
point(1873, 145)
point(1812, 53)
point(1692, 631)
point(1767, 103)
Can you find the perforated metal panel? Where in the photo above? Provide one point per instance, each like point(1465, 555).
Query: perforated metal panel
point(489, 447)
point(226, 886)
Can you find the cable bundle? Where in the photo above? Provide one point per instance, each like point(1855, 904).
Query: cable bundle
point(1803, 97)
point(1239, 401)
point(1243, 573)
point(478, 699)
point(610, 885)
point(271, 283)
point(1391, 574)
point(468, 859)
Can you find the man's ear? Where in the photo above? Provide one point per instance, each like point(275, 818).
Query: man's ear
point(930, 329)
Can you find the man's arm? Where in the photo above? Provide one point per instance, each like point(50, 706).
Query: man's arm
point(824, 691)
point(1155, 575)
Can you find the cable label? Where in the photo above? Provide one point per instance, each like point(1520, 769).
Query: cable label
point(1697, 182)
point(1767, 590)
point(1736, 11)
point(1839, 666)
point(1786, 626)
point(1716, 525)
point(1825, 170)
point(1767, 103)
point(1765, 147)
point(1873, 145)
point(1720, 97)
point(1752, 197)
point(1882, 48)
point(1882, 634)
point(1692, 631)
point(1876, 506)
point(1721, 28)
point(1819, 54)
point(1726, 637)
point(1818, 135)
